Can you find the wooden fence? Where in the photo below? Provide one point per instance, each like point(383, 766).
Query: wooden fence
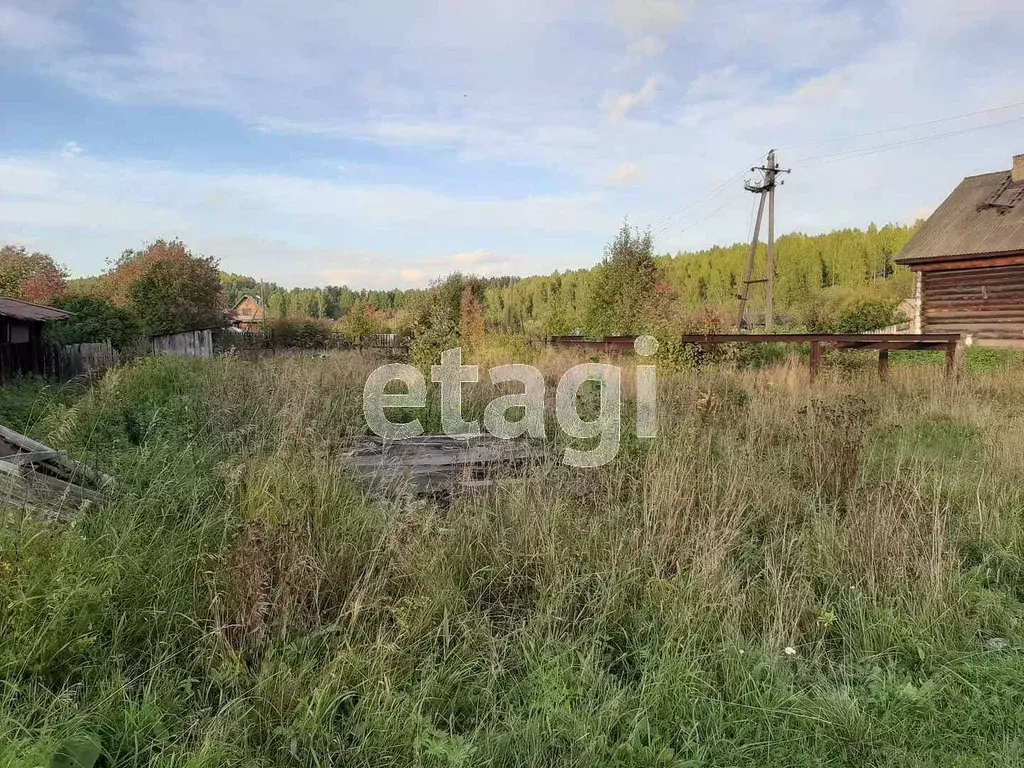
point(260, 343)
point(27, 359)
point(188, 344)
point(85, 359)
point(71, 360)
point(904, 327)
point(54, 361)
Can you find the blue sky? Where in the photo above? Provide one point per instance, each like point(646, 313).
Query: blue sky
point(386, 143)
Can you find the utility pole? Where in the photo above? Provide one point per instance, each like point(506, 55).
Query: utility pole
point(766, 189)
point(769, 304)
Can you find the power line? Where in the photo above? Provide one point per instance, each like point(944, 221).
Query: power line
point(671, 220)
point(674, 218)
point(907, 127)
point(667, 222)
point(714, 213)
point(850, 154)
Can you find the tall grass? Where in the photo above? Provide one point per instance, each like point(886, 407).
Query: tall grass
point(243, 602)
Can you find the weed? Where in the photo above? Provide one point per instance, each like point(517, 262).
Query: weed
point(241, 602)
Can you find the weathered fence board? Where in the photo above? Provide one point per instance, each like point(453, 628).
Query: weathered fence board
point(25, 360)
point(188, 344)
point(84, 359)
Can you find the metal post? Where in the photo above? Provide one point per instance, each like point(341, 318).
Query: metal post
point(954, 357)
point(815, 359)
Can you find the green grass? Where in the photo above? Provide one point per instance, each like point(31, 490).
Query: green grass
point(242, 602)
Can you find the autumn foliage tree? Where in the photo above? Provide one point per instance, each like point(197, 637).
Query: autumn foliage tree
point(130, 266)
point(31, 276)
point(174, 296)
point(471, 317)
point(168, 289)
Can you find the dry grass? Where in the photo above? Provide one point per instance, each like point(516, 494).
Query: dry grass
point(245, 603)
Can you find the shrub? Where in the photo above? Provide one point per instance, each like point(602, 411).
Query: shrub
point(301, 332)
point(866, 315)
point(96, 319)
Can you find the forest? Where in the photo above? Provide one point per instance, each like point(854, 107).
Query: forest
point(844, 280)
point(818, 278)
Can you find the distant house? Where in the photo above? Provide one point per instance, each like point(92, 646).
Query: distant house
point(21, 336)
point(969, 260)
point(247, 314)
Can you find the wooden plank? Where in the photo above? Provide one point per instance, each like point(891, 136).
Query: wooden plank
point(60, 464)
point(1009, 282)
point(20, 459)
point(21, 441)
point(804, 338)
point(61, 487)
point(971, 262)
point(979, 293)
point(967, 274)
point(972, 326)
point(438, 462)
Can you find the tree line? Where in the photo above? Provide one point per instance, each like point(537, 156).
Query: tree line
point(161, 288)
point(820, 280)
point(845, 280)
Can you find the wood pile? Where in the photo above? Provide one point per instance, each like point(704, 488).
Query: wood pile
point(49, 483)
point(440, 466)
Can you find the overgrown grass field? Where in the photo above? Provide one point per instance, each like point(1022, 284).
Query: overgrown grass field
point(241, 601)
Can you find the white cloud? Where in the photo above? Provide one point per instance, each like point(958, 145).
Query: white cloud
point(478, 256)
point(647, 46)
point(288, 227)
point(617, 107)
point(948, 18)
point(626, 174)
point(639, 15)
point(716, 83)
point(495, 128)
point(413, 276)
point(829, 88)
point(71, 150)
point(28, 26)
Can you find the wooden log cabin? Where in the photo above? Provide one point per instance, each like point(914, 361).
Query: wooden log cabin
point(969, 261)
point(247, 314)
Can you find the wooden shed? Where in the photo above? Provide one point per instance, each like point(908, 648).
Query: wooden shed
point(969, 260)
point(22, 351)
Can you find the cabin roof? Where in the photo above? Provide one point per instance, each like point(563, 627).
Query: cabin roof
point(253, 299)
point(24, 310)
point(984, 216)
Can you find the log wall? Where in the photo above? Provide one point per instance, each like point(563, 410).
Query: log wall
point(985, 302)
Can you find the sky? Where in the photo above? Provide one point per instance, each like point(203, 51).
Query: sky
point(384, 143)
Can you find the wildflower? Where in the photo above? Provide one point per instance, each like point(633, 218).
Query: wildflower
point(790, 651)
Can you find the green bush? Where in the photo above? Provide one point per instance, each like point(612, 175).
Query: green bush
point(865, 315)
point(95, 319)
point(301, 332)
